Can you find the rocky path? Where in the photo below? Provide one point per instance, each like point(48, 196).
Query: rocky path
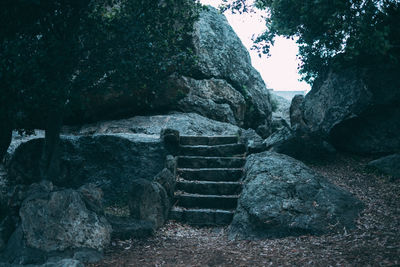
point(375, 242)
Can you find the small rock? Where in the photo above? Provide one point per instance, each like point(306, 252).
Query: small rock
point(252, 140)
point(167, 180)
point(170, 164)
point(389, 165)
point(127, 227)
point(148, 201)
point(170, 138)
point(278, 123)
point(92, 195)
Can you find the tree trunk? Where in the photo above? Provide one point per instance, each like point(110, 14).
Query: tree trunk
point(50, 161)
point(5, 137)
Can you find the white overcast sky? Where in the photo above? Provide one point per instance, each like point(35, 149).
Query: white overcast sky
point(278, 71)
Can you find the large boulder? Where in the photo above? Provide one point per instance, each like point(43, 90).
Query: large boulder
point(56, 223)
point(299, 143)
point(358, 110)
point(222, 85)
point(213, 98)
point(185, 123)
point(112, 161)
point(60, 220)
point(221, 55)
point(283, 197)
point(297, 140)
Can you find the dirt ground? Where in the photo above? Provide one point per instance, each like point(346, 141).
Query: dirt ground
point(375, 241)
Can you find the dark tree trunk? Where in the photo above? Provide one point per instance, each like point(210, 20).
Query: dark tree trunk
point(5, 137)
point(49, 164)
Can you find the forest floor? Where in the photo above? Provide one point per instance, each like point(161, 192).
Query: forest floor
point(375, 241)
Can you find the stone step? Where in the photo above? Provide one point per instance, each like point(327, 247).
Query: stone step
point(209, 188)
point(215, 174)
point(213, 151)
point(193, 140)
point(187, 200)
point(210, 162)
point(201, 216)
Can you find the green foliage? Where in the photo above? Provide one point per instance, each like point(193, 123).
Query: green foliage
point(331, 32)
point(56, 54)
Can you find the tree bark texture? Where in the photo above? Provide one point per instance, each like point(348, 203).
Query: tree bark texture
point(50, 161)
point(5, 137)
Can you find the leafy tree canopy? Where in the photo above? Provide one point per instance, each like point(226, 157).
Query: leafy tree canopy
point(331, 32)
point(54, 52)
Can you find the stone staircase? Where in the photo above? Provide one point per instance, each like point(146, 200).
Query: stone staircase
point(208, 172)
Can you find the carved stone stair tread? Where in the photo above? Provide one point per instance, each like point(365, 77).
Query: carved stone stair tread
point(202, 216)
point(209, 169)
point(207, 140)
point(210, 162)
point(188, 200)
point(216, 150)
point(210, 187)
point(210, 174)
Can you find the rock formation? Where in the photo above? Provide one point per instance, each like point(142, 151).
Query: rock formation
point(60, 220)
point(297, 140)
point(282, 197)
point(111, 160)
point(221, 55)
point(118, 178)
point(122, 164)
point(185, 123)
point(357, 110)
point(212, 98)
point(56, 222)
point(222, 86)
